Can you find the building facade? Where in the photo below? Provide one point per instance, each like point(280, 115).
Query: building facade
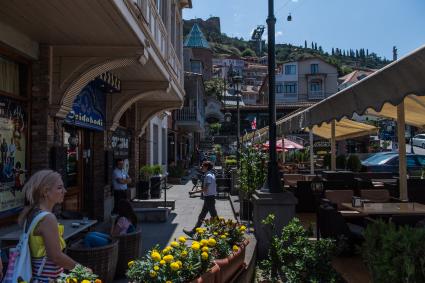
point(77, 92)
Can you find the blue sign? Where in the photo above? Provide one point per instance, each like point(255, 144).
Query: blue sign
point(88, 108)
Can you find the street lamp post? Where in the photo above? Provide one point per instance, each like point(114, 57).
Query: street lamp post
point(273, 180)
point(237, 84)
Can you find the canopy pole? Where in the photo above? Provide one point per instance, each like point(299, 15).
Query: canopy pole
point(402, 165)
point(333, 146)
point(283, 149)
point(311, 151)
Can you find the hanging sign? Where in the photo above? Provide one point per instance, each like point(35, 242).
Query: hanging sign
point(120, 143)
point(88, 108)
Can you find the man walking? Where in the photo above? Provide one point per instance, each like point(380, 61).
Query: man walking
point(209, 190)
point(120, 181)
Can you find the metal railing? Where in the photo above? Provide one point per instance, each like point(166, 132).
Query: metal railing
point(188, 114)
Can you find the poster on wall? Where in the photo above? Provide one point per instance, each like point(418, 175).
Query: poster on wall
point(13, 127)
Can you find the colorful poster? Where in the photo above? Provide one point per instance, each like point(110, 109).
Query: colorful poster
point(13, 128)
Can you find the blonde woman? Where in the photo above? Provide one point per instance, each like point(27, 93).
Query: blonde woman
point(44, 190)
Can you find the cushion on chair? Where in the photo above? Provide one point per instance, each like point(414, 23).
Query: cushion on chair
point(375, 195)
point(339, 196)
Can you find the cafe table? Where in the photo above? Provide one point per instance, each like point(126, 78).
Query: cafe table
point(71, 229)
point(388, 208)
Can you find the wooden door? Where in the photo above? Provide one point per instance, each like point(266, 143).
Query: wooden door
point(72, 138)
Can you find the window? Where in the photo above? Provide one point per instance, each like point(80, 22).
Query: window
point(290, 88)
point(290, 69)
point(316, 86)
point(196, 66)
point(279, 88)
point(164, 147)
point(155, 146)
point(421, 159)
point(314, 68)
point(13, 77)
point(411, 161)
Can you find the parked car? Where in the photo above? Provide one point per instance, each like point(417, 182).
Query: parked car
point(419, 140)
point(388, 162)
point(375, 156)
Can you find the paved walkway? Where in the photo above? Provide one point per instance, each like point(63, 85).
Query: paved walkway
point(185, 215)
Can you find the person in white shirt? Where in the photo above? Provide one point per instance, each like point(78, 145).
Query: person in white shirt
point(209, 189)
point(120, 181)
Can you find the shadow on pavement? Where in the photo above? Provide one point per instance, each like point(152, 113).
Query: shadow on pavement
point(157, 233)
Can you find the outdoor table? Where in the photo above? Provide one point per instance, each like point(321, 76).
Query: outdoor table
point(388, 208)
point(69, 231)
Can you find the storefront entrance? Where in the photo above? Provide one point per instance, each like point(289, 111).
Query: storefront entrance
point(78, 177)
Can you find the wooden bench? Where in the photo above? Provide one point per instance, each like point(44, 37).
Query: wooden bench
point(152, 214)
point(153, 203)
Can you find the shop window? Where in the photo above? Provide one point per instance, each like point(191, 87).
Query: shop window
point(155, 145)
point(13, 77)
point(164, 146)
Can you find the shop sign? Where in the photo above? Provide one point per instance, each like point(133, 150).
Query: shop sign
point(88, 108)
point(13, 128)
point(120, 143)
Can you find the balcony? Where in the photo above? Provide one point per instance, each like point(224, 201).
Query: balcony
point(148, 17)
point(319, 94)
point(190, 119)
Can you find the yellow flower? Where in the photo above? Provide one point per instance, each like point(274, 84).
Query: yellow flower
point(184, 254)
point(204, 242)
point(212, 242)
point(156, 268)
point(85, 281)
point(223, 236)
point(182, 239)
point(168, 258)
point(175, 266)
point(242, 228)
point(156, 256)
point(74, 280)
point(98, 281)
point(162, 262)
point(195, 246)
point(153, 274)
point(198, 230)
point(221, 218)
point(168, 281)
point(205, 249)
point(174, 244)
point(227, 234)
point(204, 256)
point(215, 233)
point(130, 263)
point(235, 248)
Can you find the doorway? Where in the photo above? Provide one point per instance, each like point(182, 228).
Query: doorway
point(78, 177)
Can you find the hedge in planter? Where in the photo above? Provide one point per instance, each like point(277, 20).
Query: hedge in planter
point(294, 258)
point(394, 254)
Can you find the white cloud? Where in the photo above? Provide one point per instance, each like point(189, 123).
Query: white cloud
point(279, 33)
point(294, 0)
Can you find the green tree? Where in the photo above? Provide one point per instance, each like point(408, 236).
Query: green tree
point(215, 88)
point(248, 52)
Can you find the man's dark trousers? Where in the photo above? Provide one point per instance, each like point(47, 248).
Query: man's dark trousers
point(209, 206)
point(118, 195)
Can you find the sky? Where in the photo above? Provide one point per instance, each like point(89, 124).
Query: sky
point(376, 25)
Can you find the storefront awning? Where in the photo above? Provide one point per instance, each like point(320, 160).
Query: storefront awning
point(344, 129)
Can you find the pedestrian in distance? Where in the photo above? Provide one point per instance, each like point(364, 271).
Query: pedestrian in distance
point(209, 190)
point(120, 181)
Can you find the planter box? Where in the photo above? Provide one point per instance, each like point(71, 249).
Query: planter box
point(230, 266)
point(174, 180)
point(211, 276)
point(155, 188)
point(143, 190)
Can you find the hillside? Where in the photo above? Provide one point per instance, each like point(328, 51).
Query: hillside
point(346, 60)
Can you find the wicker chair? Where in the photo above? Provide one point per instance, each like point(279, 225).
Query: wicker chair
point(130, 246)
point(102, 260)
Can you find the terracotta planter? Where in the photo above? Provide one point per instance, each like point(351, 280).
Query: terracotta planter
point(230, 266)
point(211, 276)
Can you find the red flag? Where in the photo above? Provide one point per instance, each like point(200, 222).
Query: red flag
point(254, 124)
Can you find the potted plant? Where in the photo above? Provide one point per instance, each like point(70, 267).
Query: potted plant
point(252, 174)
point(177, 262)
point(155, 181)
point(144, 182)
point(79, 274)
point(175, 173)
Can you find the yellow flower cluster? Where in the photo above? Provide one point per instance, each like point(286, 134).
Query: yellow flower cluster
point(168, 258)
point(156, 256)
point(200, 230)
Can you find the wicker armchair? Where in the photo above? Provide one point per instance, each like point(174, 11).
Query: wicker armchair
point(130, 246)
point(102, 260)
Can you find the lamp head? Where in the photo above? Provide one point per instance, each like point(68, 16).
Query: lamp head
point(228, 117)
point(237, 82)
point(289, 18)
